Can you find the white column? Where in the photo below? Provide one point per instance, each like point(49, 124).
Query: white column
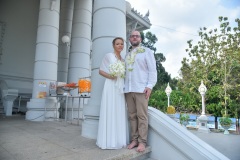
point(168, 100)
point(79, 58)
point(203, 104)
point(109, 21)
point(46, 57)
point(66, 16)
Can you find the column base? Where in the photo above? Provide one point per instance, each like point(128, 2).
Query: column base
point(8, 107)
point(90, 128)
point(38, 112)
point(35, 115)
point(90, 121)
point(203, 119)
point(8, 101)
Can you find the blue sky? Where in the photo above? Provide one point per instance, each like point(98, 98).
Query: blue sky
point(176, 22)
point(230, 3)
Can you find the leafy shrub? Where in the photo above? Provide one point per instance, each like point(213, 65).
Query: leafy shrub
point(225, 121)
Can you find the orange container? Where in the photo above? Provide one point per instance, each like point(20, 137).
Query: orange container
point(84, 85)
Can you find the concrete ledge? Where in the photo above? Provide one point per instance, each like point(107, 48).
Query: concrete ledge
point(132, 155)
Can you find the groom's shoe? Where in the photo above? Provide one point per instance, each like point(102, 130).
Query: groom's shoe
point(132, 144)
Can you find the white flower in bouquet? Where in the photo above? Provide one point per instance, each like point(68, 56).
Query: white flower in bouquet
point(117, 69)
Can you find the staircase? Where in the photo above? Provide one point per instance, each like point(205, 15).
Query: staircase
point(126, 154)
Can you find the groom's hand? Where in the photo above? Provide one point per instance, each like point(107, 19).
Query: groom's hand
point(147, 92)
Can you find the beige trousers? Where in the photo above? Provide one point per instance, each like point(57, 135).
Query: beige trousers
point(137, 108)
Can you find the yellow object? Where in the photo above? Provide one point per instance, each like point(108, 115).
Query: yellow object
point(171, 110)
point(41, 94)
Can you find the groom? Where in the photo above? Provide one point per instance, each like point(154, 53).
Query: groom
point(141, 76)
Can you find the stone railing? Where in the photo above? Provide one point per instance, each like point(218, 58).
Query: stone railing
point(169, 140)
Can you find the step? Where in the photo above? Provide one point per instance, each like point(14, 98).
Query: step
point(132, 155)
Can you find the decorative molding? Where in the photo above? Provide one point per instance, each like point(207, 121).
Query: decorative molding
point(140, 15)
point(17, 77)
point(2, 32)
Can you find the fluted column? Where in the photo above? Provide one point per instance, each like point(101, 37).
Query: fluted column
point(66, 16)
point(46, 57)
point(79, 60)
point(109, 21)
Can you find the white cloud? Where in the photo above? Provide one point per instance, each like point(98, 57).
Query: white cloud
point(176, 22)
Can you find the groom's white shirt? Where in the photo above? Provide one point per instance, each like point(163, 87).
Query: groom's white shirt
point(144, 73)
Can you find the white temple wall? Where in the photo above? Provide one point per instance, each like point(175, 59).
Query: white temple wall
point(18, 43)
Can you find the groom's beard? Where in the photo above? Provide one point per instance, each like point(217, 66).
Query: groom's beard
point(135, 44)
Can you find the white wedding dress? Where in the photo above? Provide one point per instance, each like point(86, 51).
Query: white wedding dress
point(113, 132)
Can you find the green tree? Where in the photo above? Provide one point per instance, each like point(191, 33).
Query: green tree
point(215, 59)
point(158, 100)
point(149, 40)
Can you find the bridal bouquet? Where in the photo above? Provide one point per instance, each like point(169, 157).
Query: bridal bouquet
point(117, 69)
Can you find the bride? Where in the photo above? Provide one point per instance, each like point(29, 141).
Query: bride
point(113, 130)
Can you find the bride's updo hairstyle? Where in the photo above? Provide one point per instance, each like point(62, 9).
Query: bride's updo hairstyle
point(114, 40)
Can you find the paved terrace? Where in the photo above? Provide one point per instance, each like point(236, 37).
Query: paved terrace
point(60, 140)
